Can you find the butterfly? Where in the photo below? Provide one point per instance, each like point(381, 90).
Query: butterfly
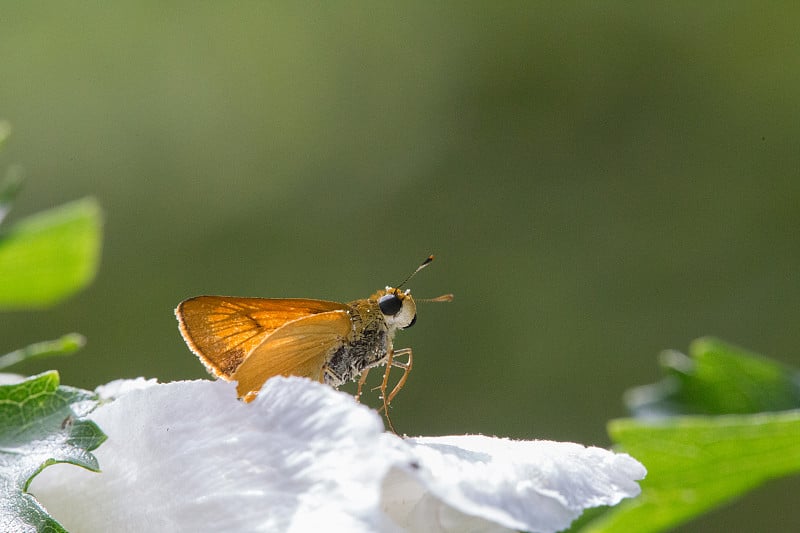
point(249, 340)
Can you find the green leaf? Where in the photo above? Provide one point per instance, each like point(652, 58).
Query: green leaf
point(717, 378)
point(66, 345)
point(697, 463)
point(50, 255)
point(40, 425)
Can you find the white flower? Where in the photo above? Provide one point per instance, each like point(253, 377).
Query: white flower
point(188, 456)
point(10, 379)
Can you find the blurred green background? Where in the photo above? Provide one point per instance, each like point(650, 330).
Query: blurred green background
point(599, 182)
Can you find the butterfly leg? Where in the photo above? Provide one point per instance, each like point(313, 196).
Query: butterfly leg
point(406, 366)
point(390, 362)
point(382, 387)
point(361, 380)
point(385, 382)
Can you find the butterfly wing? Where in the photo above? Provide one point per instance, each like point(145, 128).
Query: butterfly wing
point(222, 330)
point(298, 348)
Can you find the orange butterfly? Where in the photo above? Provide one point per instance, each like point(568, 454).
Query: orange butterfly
point(249, 340)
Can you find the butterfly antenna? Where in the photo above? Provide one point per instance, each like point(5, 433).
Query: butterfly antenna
point(420, 267)
point(442, 298)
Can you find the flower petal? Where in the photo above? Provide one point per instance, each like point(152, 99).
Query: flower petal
point(119, 387)
point(188, 456)
point(519, 485)
point(303, 457)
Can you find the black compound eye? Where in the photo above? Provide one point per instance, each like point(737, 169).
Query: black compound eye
point(390, 304)
point(413, 321)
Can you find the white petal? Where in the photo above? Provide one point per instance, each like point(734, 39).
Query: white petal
point(188, 456)
point(10, 379)
point(119, 387)
point(519, 485)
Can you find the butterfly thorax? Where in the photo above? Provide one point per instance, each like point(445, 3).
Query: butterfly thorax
point(368, 345)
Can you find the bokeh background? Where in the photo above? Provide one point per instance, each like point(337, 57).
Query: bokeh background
point(599, 182)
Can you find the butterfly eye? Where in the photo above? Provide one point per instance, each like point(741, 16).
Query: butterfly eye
point(390, 304)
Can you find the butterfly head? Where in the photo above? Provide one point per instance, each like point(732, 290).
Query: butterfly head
point(398, 307)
